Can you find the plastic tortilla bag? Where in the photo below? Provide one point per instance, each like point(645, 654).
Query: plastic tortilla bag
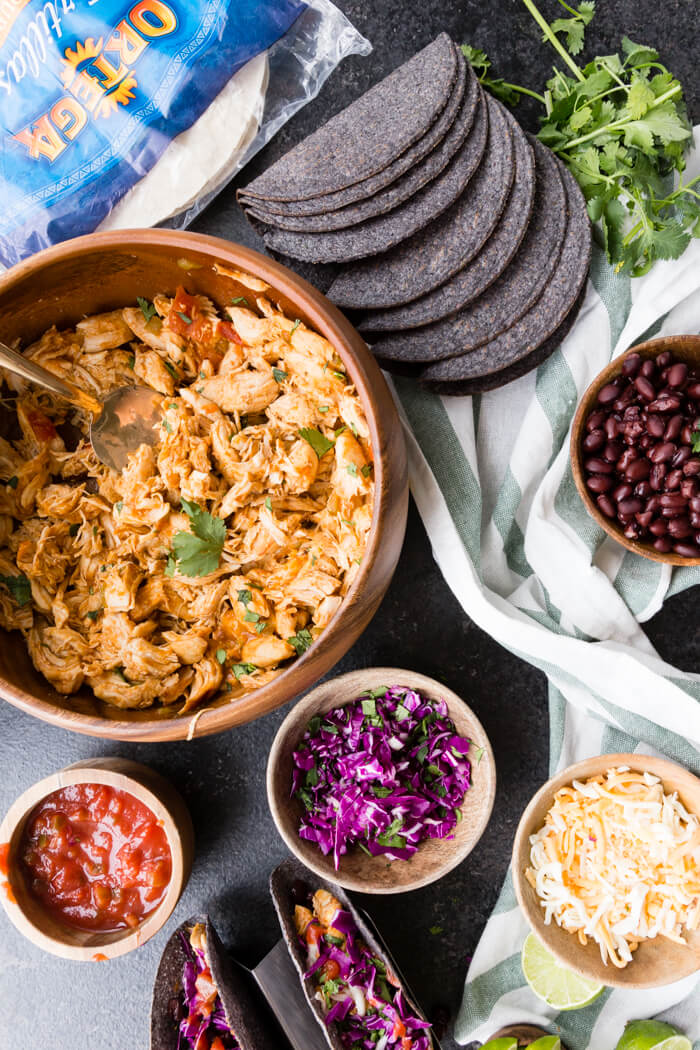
point(117, 113)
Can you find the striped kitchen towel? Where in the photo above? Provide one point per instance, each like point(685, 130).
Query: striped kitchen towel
point(491, 477)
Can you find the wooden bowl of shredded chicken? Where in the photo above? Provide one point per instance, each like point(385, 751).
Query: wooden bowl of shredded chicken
point(231, 566)
point(606, 867)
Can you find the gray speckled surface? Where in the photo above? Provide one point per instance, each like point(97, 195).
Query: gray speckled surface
point(47, 1002)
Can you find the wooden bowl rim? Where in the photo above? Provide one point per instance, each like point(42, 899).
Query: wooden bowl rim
point(367, 678)
point(117, 773)
point(367, 378)
point(588, 767)
point(650, 348)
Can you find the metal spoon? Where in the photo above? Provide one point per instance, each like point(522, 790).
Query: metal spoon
point(128, 417)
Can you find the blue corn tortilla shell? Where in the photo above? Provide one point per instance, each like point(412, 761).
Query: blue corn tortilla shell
point(428, 258)
point(506, 354)
point(245, 1016)
point(292, 872)
point(510, 296)
point(399, 190)
point(379, 235)
point(481, 271)
point(534, 359)
point(370, 133)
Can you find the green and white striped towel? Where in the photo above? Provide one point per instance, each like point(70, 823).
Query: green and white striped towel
point(492, 481)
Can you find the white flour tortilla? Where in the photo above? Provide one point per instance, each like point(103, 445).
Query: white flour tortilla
point(202, 157)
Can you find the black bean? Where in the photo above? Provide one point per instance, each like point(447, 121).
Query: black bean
point(648, 368)
point(665, 404)
point(638, 470)
point(691, 468)
point(632, 531)
point(662, 452)
point(662, 545)
point(679, 528)
point(612, 451)
point(644, 388)
point(630, 364)
point(682, 455)
point(687, 434)
point(673, 427)
point(608, 393)
point(693, 390)
point(694, 519)
point(664, 359)
point(689, 489)
point(673, 499)
point(606, 505)
point(595, 420)
point(658, 527)
point(686, 550)
point(630, 506)
point(599, 483)
point(677, 374)
point(612, 427)
point(593, 441)
point(645, 518)
point(656, 426)
point(627, 457)
point(695, 504)
point(621, 492)
point(598, 466)
point(673, 480)
point(643, 489)
point(654, 503)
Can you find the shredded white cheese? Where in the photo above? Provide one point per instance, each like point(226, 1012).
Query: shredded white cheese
point(618, 860)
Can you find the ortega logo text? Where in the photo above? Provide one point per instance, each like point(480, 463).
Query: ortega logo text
point(98, 77)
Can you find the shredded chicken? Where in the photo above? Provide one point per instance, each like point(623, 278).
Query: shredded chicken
point(215, 557)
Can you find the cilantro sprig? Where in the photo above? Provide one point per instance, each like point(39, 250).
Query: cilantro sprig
point(318, 441)
point(619, 124)
point(197, 553)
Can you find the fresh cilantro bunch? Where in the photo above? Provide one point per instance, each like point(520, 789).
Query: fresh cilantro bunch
point(19, 587)
point(197, 553)
point(619, 124)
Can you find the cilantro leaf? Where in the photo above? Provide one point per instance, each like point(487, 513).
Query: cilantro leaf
point(301, 640)
point(198, 553)
point(241, 669)
point(147, 308)
point(19, 587)
point(278, 375)
point(695, 439)
point(245, 596)
point(221, 656)
point(316, 439)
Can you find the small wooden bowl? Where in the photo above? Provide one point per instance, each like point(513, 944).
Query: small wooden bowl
point(655, 962)
point(38, 925)
point(435, 857)
point(685, 348)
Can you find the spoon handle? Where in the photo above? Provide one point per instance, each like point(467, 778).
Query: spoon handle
point(28, 369)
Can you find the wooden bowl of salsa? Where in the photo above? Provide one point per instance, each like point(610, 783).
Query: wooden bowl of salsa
point(94, 858)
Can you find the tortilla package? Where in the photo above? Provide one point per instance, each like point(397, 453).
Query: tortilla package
point(137, 112)
point(347, 977)
point(201, 1000)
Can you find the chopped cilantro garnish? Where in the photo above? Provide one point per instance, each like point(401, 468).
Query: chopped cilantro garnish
point(93, 614)
point(173, 372)
point(352, 470)
point(221, 656)
point(244, 596)
point(694, 438)
point(74, 529)
point(268, 503)
point(132, 361)
point(241, 669)
point(301, 640)
point(435, 930)
point(294, 327)
point(323, 408)
point(166, 427)
point(119, 506)
point(374, 694)
point(278, 375)
point(185, 318)
point(319, 443)
point(260, 627)
point(251, 617)
point(19, 587)
point(240, 299)
point(147, 308)
point(354, 429)
point(369, 707)
point(13, 481)
point(367, 470)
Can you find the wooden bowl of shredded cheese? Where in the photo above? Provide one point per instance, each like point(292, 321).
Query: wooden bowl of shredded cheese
point(606, 865)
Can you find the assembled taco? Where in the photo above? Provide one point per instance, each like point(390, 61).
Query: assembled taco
point(347, 976)
point(200, 1001)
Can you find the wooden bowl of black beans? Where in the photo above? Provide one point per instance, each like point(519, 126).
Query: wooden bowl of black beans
point(635, 449)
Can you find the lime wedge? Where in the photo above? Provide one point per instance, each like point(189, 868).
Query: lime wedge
point(651, 1035)
point(501, 1044)
point(546, 1042)
point(552, 982)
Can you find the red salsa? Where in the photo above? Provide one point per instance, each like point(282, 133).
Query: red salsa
point(96, 857)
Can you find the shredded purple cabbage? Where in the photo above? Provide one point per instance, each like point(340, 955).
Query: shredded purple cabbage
point(383, 772)
point(385, 1019)
point(199, 1028)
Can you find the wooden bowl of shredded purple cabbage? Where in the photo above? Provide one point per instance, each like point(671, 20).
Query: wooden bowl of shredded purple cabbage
point(382, 780)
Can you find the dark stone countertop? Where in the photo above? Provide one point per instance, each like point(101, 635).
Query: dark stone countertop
point(49, 1002)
